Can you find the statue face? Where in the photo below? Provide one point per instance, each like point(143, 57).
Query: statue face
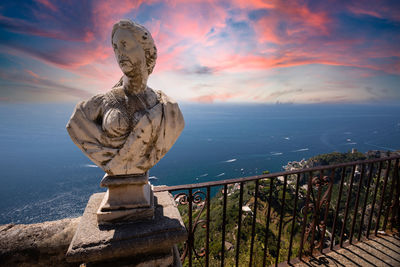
point(129, 53)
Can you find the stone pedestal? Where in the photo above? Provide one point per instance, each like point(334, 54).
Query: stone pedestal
point(128, 198)
point(140, 243)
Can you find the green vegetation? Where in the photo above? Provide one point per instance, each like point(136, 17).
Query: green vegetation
point(335, 158)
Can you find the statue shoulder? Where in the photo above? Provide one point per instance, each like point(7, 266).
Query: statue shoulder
point(163, 98)
point(92, 103)
point(97, 99)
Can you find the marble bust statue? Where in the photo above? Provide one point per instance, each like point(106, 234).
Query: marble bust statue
point(127, 130)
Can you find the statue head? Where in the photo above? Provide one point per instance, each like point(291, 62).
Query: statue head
point(133, 47)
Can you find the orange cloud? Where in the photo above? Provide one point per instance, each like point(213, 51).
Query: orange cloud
point(255, 4)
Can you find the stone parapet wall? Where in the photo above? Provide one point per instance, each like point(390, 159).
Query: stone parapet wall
point(40, 244)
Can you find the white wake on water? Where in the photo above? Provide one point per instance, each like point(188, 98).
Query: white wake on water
point(90, 166)
point(301, 150)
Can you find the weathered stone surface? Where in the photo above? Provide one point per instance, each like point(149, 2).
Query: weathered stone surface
point(130, 128)
point(93, 243)
point(128, 198)
point(126, 192)
point(153, 260)
point(41, 244)
point(107, 214)
point(109, 181)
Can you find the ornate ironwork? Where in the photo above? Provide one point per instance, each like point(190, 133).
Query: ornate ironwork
point(318, 204)
point(198, 198)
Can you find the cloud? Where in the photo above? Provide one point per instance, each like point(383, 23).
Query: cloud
point(213, 42)
point(254, 4)
point(41, 84)
point(329, 100)
point(285, 92)
point(32, 74)
point(201, 86)
point(199, 70)
point(66, 23)
point(377, 93)
point(363, 11)
point(384, 9)
point(69, 58)
point(285, 23)
point(25, 27)
point(48, 4)
point(211, 98)
point(105, 13)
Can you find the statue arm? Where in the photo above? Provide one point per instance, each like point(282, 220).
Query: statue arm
point(87, 133)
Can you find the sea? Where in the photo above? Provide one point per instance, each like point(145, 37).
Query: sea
point(44, 176)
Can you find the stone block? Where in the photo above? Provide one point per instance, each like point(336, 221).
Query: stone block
point(95, 243)
point(126, 213)
point(128, 198)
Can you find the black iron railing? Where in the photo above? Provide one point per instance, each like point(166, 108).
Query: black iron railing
point(286, 216)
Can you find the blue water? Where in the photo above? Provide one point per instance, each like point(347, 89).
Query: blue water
point(44, 176)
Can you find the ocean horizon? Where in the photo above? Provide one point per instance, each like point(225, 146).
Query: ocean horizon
point(46, 177)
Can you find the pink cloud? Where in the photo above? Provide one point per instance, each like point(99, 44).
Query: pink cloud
point(32, 74)
point(47, 4)
point(237, 62)
point(364, 11)
point(169, 61)
point(379, 9)
point(300, 21)
point(106, 12)
point(254, 4)
point(211, 98)
point(71, 59)
point(175, 33)
point(182, 26)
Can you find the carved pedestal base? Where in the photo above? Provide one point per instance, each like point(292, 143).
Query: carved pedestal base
point(128, 198)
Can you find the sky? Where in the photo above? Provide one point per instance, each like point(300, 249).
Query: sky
point(215, 51)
